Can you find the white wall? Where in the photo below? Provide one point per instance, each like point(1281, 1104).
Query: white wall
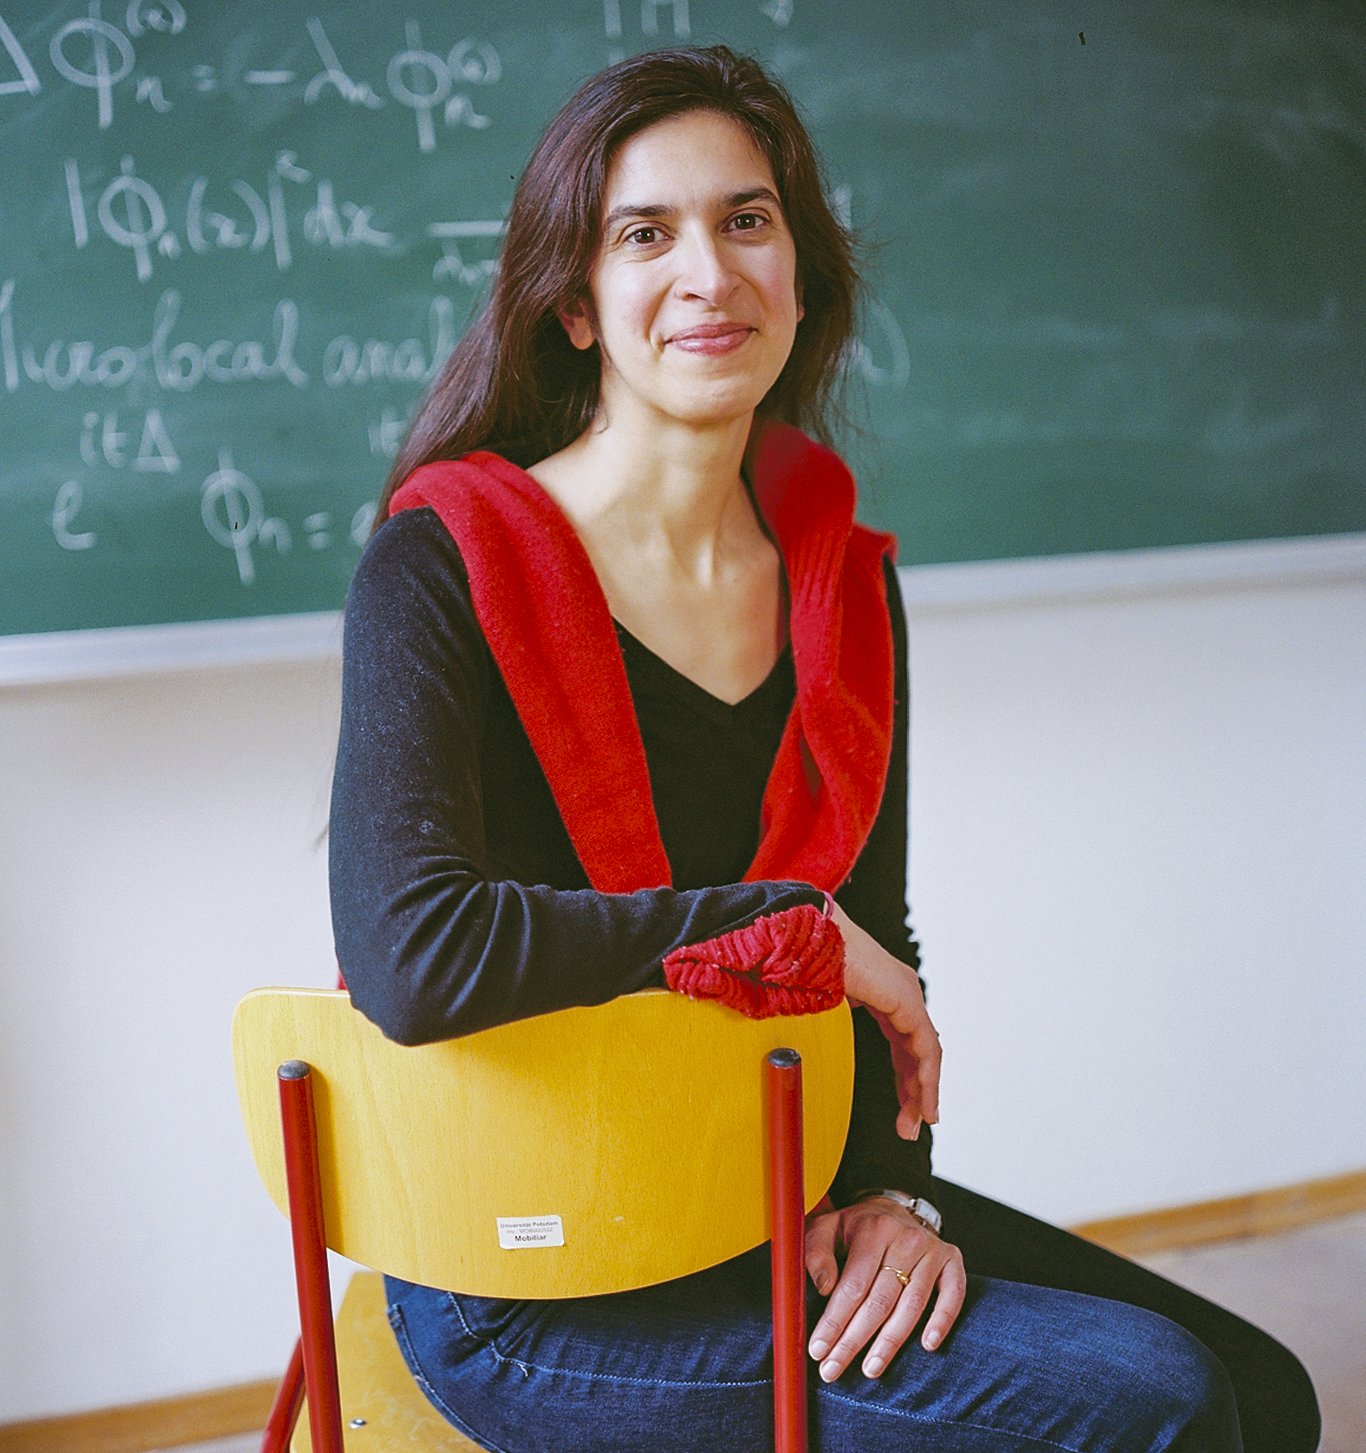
point(159, 856)
point(1138, 848)
point(1139, 870)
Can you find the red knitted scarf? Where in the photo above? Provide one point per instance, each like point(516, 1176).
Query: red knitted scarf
point(547, 623)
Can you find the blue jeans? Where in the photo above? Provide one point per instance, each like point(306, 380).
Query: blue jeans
point(688, 1366)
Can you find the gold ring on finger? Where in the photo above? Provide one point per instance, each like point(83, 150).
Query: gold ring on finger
point(904, 1277)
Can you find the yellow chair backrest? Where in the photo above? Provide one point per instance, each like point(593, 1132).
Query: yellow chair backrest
point(635, 1128)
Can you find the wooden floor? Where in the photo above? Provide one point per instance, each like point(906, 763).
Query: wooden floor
point(242, 1443)
point(1306, 1287)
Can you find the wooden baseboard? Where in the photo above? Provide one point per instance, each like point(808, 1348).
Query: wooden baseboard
point(198, 1417)
point(137, 1427)
point(1262, 1213)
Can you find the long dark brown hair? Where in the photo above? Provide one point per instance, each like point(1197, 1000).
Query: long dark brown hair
point(515, 384)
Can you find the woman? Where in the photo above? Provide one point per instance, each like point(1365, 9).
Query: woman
point(625, 700)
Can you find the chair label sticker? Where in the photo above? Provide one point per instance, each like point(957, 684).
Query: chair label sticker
point(520, 1233)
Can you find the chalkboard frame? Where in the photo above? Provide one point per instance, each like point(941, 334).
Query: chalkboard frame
point(60, 656)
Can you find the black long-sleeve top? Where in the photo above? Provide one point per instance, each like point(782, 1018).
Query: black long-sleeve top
point(458, 901)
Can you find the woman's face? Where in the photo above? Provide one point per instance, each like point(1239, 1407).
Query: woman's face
point(694, 295)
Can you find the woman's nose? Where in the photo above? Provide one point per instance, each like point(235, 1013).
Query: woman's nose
point(705, 271)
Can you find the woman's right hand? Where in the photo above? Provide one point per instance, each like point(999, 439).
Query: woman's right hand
point(890, 990)
point(846, 1253)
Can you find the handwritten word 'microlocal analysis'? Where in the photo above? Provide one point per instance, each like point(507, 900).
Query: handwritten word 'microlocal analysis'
point(182, 366)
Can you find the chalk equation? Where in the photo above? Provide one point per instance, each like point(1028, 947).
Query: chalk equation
point(106, 440)
point(241, 216)
point(423, 80)
point(234, 514)
point(265, 215)
point(101, 56)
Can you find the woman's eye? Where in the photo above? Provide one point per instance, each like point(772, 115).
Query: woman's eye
point(747, 221)
point(643, 236)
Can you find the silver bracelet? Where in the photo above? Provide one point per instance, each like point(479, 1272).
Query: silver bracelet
point(918, 1207)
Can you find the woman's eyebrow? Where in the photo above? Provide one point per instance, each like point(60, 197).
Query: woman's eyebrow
point(633, 209)
point(755, 194)
point(650, 210)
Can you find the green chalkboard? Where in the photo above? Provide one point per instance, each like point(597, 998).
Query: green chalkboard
point(1118, 293)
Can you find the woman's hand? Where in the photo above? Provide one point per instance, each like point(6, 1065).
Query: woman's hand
point(890, 990)
point(872, 1237)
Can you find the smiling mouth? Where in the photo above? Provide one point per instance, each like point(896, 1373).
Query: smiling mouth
point(712, 339)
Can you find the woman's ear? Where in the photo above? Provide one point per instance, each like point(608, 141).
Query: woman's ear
point(577, 321)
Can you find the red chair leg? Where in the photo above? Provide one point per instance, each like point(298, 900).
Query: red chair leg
point(319, 1348)
point(783, 1075)
point(284, 1411)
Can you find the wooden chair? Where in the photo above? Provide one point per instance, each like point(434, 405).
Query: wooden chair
point(659, 1135)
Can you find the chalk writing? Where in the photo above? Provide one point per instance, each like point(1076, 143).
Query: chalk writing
point(149, 90)
point(349, 225)
point(451, 263)
point(25, 77)
point(70, 497)
point(99, 74)
point(386, 434)
point(649, 17)
point(163, 17)
point(423, 80)
point(453, 266)
point(841, 201)
point(465, 229)
point(235, 515)
point(649, 22)
point(143, 220)
point(896, 368)
point(131, 214)
point(93, 53)
point(334, 75)
point(362, 522)
point(156, 454)
point(409, 361)
point(183, 365)
point(101, 55)
point(177, 366)
point(9, 357)
point(210, 228)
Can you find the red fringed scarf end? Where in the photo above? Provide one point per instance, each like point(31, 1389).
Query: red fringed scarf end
point(788, 963)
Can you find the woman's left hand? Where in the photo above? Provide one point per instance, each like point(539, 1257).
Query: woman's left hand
point(890, 991)
point(866, 1298)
